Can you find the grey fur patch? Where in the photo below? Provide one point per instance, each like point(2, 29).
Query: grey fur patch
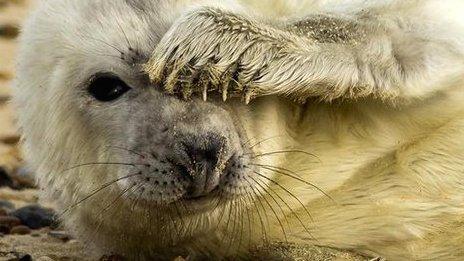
point(327, 29)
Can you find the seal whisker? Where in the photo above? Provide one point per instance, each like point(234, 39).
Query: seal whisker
point(90, 52)
point(184, 229)
point(261, 220)
point(258, 198)
point(94, 192)
point(96, 53)
point(117, 198)
point(173, 222)
point(247, 141)
point(104, 42)
point(296, 178)
point(286, 190)
point(103, 163)
point(278, 168)
point(284, 151)
point(234, 208)
point(264, 140)
point(219, 200)
point(222, 212)
point(290, 208)
point(250, 219)
point(237, 214)
point(230, 207)
point(242, 207)
point(124, 33)
point(104, 55)
point(272, 209)
point(178, 210)
point(108, 207)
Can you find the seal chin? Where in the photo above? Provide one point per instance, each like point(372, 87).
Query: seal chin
point(203, 203)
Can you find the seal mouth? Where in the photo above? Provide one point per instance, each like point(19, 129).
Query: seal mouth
point(202, 203)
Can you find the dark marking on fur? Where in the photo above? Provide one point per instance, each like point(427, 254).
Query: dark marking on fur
point(326, 29)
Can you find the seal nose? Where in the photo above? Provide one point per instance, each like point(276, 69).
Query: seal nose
point(203, 165)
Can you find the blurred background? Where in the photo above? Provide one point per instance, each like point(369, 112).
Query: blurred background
point(12, 172)
point(12, 12)
point(28, 230)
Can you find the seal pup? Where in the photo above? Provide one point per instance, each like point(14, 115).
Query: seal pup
point(165, 128)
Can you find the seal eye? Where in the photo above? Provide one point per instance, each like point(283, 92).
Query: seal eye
point(107, 88)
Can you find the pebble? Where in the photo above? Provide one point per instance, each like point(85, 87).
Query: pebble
point(4, 229)
point(35, 216)
point(18, 179)
point(3, 212)
point(35, 234)
point(25, 178)
point(62, 235)
point(5, 179)
point(10, 140)
point(112, 258)
point(7, 205)
point(20, 230)
point(9, 221)
point(25, 257)
point(44, 258)
point(16, 256)
point(9, 31)
point(3, 98)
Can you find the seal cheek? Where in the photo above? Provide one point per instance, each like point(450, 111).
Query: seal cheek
point(155, 181)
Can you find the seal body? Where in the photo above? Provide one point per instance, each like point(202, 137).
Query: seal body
point(135, 117)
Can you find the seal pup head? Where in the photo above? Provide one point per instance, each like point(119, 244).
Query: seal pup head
point(129, 166)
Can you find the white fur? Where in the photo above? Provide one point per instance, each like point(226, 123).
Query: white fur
point(394, 169)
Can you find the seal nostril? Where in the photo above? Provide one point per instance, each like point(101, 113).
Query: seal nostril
point(185, 175)
point(203, 149)
point(208, 156)
point(200, 159)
